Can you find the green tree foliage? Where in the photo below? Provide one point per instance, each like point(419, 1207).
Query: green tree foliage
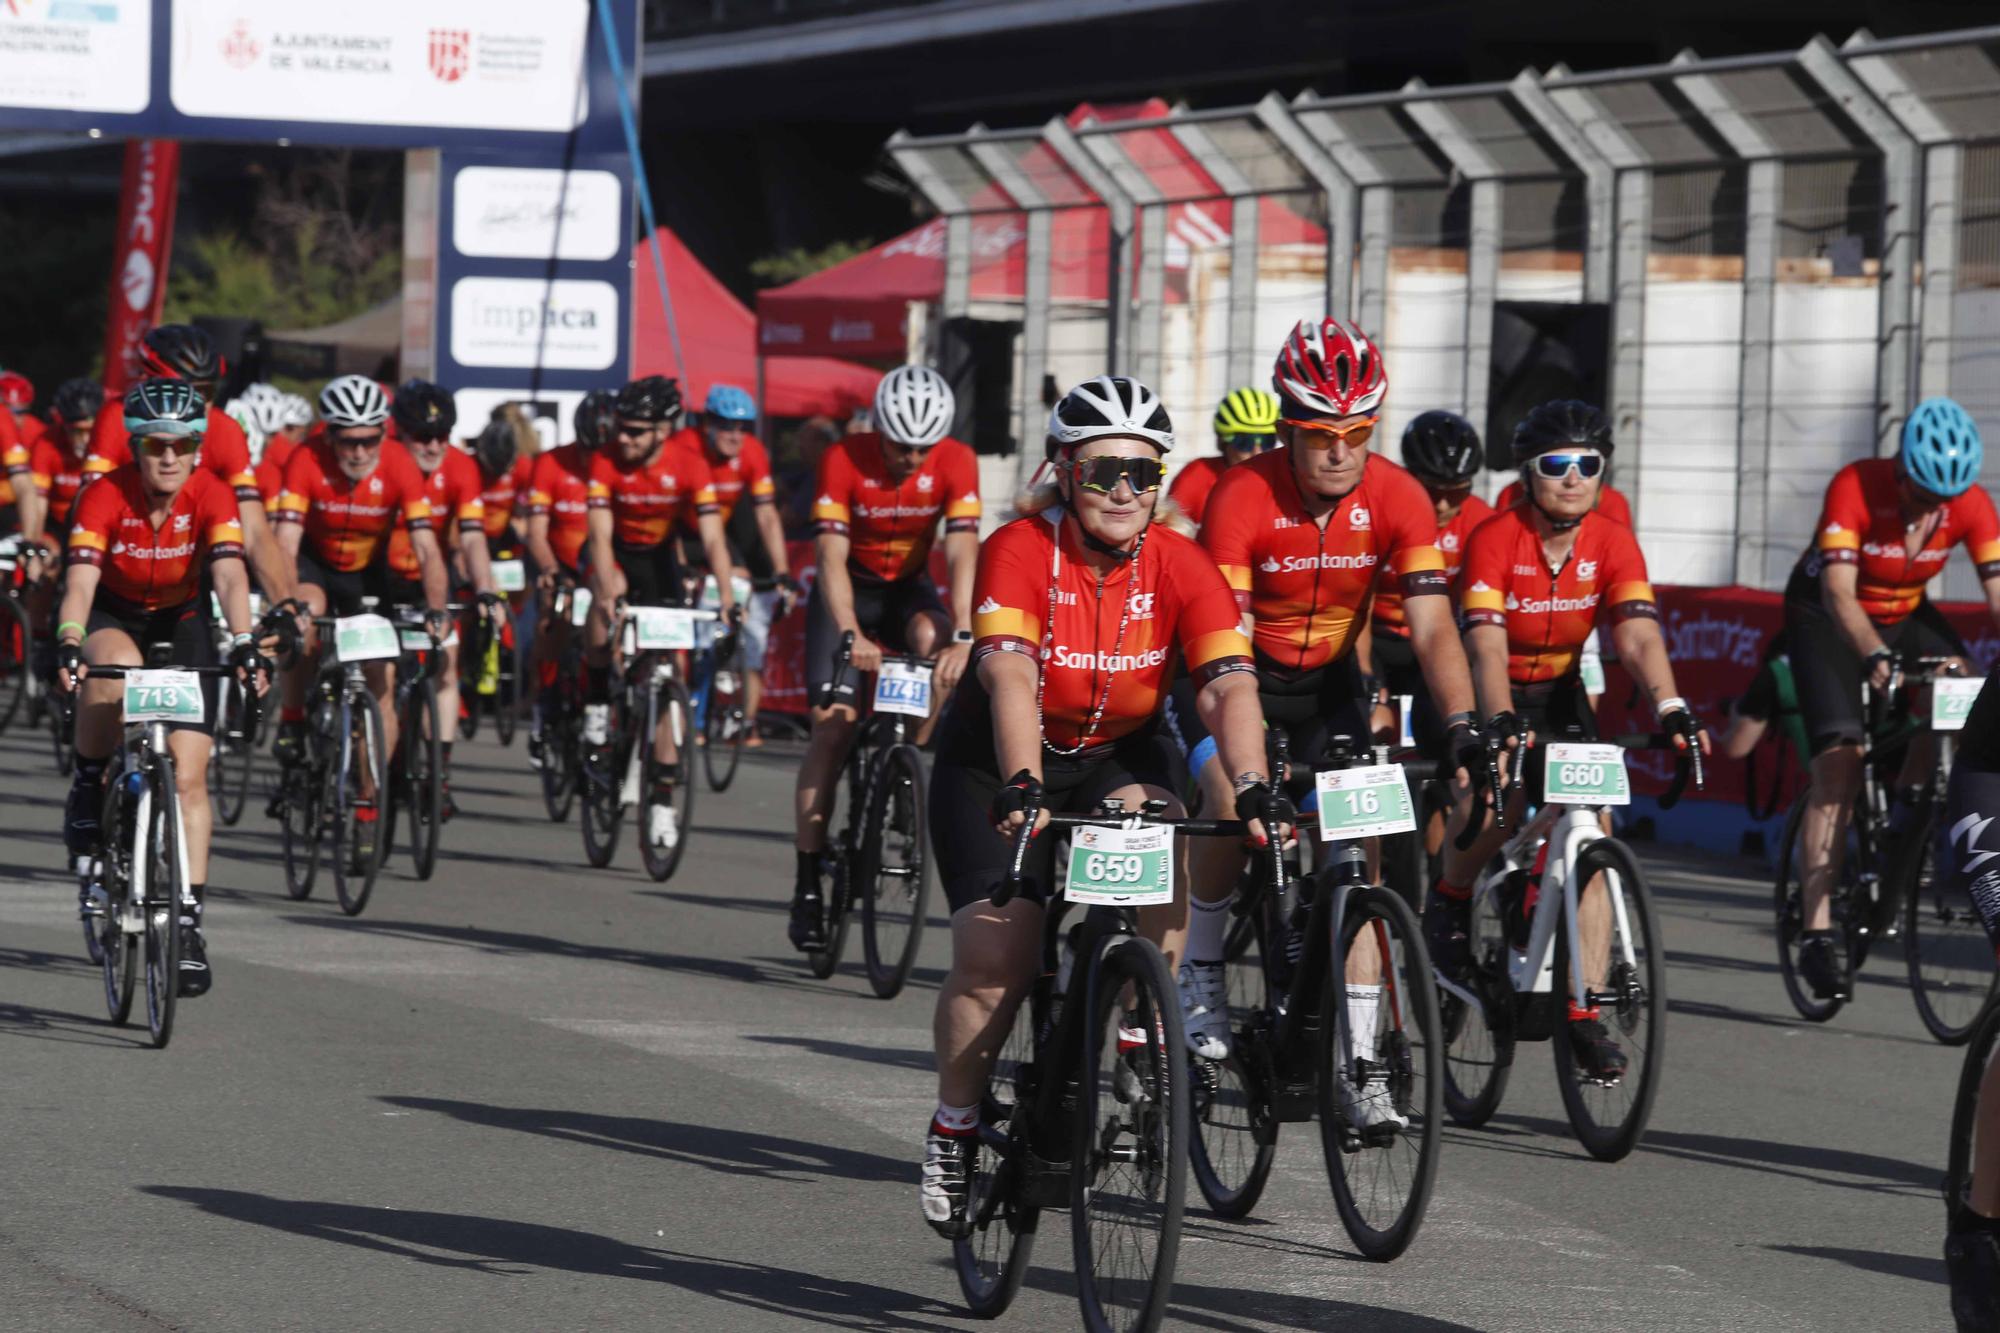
point(58, 275)
point(775, 270)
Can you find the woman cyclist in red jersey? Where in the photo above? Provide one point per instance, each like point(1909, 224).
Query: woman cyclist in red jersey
point(143, 542)
point(1082, 609)
point(1537, 580)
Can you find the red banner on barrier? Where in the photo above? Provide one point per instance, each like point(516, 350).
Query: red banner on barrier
point(785, 658)
point(145, 238)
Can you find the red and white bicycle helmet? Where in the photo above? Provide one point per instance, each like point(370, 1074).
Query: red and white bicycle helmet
point(1329, 368)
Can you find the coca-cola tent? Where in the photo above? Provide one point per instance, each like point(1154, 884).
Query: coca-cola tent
point(719, 339)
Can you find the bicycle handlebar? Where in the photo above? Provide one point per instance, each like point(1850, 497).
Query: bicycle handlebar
point(1687, 762)
point(1032, 808)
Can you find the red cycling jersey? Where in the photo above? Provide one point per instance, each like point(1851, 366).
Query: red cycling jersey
point(1861, 523)
point(1307, 582)
point(1549, 615)
point(504, 495)
point(278, 451)
point(1191, 488)
point(224, 449)
point(346, 522)
point(648, 499)
point(1388, 617)
point(1178, 607)
point(749, 473)
point(1611, 502)
point(566, 488)
point(890, 525)
point(453, 491)
point(14, 458)
point(59, 475)
point(148, 567)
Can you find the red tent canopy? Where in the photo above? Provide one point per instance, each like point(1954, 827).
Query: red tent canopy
point(719, 338)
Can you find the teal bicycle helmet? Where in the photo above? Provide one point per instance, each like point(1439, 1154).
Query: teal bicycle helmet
point(1941, 448)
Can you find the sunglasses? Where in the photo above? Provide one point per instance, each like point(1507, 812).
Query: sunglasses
point(1253, 443)
point(357, 441)
point(1324, 435)
point(170, 444)
point(1556, 466)
point(1103, 474)
point(632, 432)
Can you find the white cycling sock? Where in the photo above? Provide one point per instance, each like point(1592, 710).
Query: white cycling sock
point(956, 1119)
point(1208, 929)
point(1362, 1004)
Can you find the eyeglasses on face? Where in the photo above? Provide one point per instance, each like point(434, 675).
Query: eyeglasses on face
point(357, 441)
point(1557, 466)
point(1103, 474)
point(157, 445)
point(1249, 443)
point(1324, 434)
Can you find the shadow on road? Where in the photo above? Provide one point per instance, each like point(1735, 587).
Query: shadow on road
point(500, 1247)
point(23, 1020)
point(734, 1152)
point(1225, 1309)
point(1916, 1267)
point(922, 1061)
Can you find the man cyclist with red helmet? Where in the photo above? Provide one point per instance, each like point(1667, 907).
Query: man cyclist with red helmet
point(1084, 607)
point(881, 494)
point(1306, 537)
point(648, 485)
point(1246, 423)
point(561, 494)
point(1856, 610)
point(1538, 579)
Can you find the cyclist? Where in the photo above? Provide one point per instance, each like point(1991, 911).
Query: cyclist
point(1611, 502)
point(881, 494)
point(21, 506)
point(1538, 579)
point(143, 543)
point(560, 496)
point(1246, 423)
point(1084, 606)
point(17, 396)
point(421, 417)
point(505, 450)
point(184, 352)
point(343, 494)
point(648, 486)
point(1306, 536)
point(741, 469)
point(57, 458)
point(1856, 608)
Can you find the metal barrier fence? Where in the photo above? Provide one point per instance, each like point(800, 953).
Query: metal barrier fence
point(1758, 264)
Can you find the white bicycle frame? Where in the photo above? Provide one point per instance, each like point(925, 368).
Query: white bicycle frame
point(663, 669)
point(150, 736)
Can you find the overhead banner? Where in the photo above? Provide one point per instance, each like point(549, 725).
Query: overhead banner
point(145, 238)
point(77, 55)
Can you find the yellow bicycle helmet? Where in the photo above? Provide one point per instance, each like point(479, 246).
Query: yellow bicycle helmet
point(1246, 411)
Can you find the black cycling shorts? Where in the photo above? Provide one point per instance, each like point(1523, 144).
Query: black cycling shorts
point(882, 610)
point(1827, 670)
point(1968, 838)
point(1310, 708)
point(1556, 711)
point(186, 627)
point(1396, 666)
point(652, 575)
point(344, 588)
point(973, 857)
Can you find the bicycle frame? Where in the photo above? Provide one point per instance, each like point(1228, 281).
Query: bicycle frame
point(143, 743)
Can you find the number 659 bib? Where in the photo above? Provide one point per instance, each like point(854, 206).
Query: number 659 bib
point(1121, 866)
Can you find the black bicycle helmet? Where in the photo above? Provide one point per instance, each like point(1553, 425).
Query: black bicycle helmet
point(423, 411)
point(1566, 423)
point(1442, 448)
point(654, 398)
point(497, 447)
point(182, 352)
point(78, 400)
point(597, 419)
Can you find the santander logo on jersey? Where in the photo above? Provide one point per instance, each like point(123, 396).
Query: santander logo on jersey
point(1299, 564)
point(1109, 662)
point(1542, 606)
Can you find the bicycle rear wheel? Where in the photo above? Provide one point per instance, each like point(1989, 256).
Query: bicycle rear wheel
point(17, 651)
point(1788, 904)
point(1128, 1162)
point(677, 715)
point(423, 776)
point(233, 757)
point(62, 732)
point(1945, 949)
point(299, 824)
point(1235, 1135)
point(600, 782)
point(723, 726)
point(161, 853)
point(1980, 1052)
point(992, 1259)
point(359, 767)
point(507, 693)
point(1382, 1179)
point(117, 952)
point(1479, 1042)
point(1609, 1117)
point(892, 874)
point(559, 767)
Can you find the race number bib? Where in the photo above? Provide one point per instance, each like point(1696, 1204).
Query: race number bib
point(1121, 866)
point(711, 595)
point(510, 576)
point(662, 629)
point(364, 639)
point(1951, 701)
point(163, 696)
point(579, 606)
point(903, 689)
point(1585, 775)
point(1364, 802)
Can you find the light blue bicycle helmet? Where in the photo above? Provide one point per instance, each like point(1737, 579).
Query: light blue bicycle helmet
point(1941, 449)
point(726, 402)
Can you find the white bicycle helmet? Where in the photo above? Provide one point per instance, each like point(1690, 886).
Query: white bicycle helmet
point(265, 405)
point(914, 407)
point(1110, 407)
point(296, 411)
point(243, 411)
point(353, 400)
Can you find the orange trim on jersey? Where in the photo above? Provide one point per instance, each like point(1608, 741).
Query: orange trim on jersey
point(90, 540)
point(1008, 622)
point(1621, 593)
point(1215, 646)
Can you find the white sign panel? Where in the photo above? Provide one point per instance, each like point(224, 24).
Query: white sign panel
point(536, 213)
point(553, 411)
point(76, 55)
point(522, 323)
point(495, 65)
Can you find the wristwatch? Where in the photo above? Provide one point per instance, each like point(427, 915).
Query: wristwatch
point(961, 636)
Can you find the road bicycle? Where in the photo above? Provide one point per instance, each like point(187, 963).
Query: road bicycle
point(718, 689)
point(1982, 1049)
point(234, 756)
point(1887, 884)
point(20, 683)
point(492, 670)
point(138, 882)
point(880, 859)
point(1524, 982)
point(1087, 1106)
point(416, 769)
point(1307, 1042)
point(626, 771)
point(562, 723)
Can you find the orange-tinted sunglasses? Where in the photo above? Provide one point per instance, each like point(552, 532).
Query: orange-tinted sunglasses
point(1322, 435)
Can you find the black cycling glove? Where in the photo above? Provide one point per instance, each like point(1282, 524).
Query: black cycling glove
point(1012, 799)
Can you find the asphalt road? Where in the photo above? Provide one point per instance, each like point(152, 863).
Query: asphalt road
point(529, 1095)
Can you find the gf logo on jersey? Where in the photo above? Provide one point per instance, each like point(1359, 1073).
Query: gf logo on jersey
point(1586, 570)
point(925, 481)
point(1357, 517)
point(1142, 605)
point(182, 522)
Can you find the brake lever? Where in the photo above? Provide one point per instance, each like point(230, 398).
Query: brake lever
point(1031, 810)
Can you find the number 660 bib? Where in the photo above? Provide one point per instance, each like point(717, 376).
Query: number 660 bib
point(1121, 866)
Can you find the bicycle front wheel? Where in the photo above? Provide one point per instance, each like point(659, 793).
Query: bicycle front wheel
point(1981, 1051)
point(559, 767)
point(1381, 1067)
point(17, 650)
point(233, 757)
point(600, 782)
point(507, 692)
point(161, 855)
point(1945, 949)
point(1610, 1115)
point(1128, 1162)
point(724, 728)
point(117, 952)
point(668, 789)
point(423, 776)
point(359, 769)
point(1479, 1038)
point(1235, 1135)
point(892, 874)
point(992, 1258)
point(299, 825)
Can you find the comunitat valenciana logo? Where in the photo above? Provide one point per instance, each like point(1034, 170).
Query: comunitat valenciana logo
point(240, 47)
